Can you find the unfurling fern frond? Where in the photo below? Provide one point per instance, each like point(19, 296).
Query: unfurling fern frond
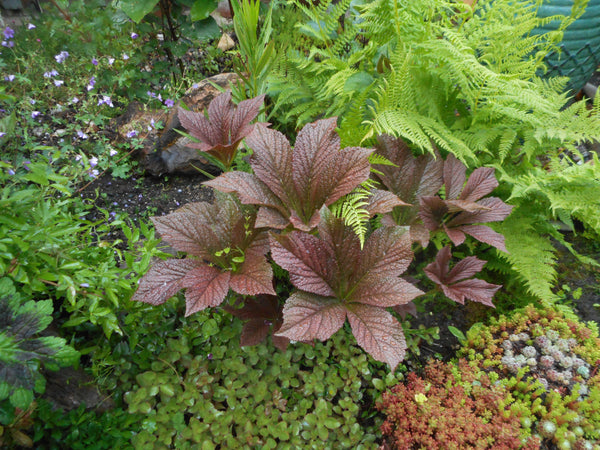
point(352, 208)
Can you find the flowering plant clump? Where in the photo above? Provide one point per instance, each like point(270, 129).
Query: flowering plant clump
point(550, 361)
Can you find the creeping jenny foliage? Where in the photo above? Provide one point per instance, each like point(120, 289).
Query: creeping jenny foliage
point(208, 391)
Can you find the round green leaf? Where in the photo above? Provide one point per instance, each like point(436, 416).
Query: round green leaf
point(202, 8)
point(137, 9)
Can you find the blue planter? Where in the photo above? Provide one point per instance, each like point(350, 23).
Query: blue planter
point(580, 55)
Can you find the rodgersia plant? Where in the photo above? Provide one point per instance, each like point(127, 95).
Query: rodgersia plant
point(290, 211)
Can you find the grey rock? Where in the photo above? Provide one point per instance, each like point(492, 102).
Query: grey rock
point(164, 150)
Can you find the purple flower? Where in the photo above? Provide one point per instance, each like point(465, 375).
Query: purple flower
point(112, 152)
point(151, 94)
point(32, 102)
point(94, 61)
point(111, 61)
point(125, 56)
point(58, 82)
point(10, 77)
point(93, 161)
point(34, 114)
point(93, 173)
point(61, 57)
point(131, 134)
point(30, 26)
point(169, 103)
point(50, 74)
point(91, 84)
point(9, 33)
point(81, 134)
point(84, 285)
point(26, 164)
point(2, 134)
point(195, 86)
point(134, 35)
point(8, 44)
point(105, 100)
point(77, 157)
point(11, 172)
point(74, 100)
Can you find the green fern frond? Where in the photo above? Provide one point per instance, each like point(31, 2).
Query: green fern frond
point(352, 209)
point(530, 251)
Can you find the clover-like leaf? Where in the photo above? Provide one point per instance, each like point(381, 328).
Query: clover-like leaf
point(294, 184)
point(221, 133)
point(457, 284)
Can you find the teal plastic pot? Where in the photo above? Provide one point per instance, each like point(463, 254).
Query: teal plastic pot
point(580, 48)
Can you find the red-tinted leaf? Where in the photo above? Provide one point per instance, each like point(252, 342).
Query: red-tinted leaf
point(220, 116)
point(226, 126)
point(404, 310)
point(270, 218)
point(386, 253)
point(308, 259)
point(262, 313)
point(281, 342)
point(465, 268)
point(255, 276)
point(378, 333)
point(258, 307)
point(455, 234)
point(163, 280)
point(473, 289)
point(206, 286)
point(485, 234)
point(197, 126)
point(454, 177)
point(246, 112)
point(465, 205)
point(480, 183)
point(254, 332)
point(411, 178)
point(498, 210)
point(420, 234)
point(432, 212)
point(248, 188)
point(384, 292)
point(477, 290)
point(187, 232)
point(381, 202)
point(307, 316)
point(272, 162)
point(321, 172)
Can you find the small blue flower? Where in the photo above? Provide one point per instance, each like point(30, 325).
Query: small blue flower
point(31, 26)
point(169, 103)
point(10, 77)
point(61, 57)
point(9, 33)
point(134, 35)
point(58, 82)
point(11, 172)
point(94, 61)
point(34, 114)
point(93, 161)
point(131, 134)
